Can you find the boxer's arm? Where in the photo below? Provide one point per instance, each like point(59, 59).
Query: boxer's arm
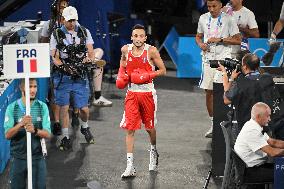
point(123, 58)
point(155, 57)
point(122, 78)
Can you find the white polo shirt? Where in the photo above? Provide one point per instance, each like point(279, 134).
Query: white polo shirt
point(221, 27)
point(249, 143)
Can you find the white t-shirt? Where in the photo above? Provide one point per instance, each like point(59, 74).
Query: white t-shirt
point(244, 18)
point(249, 143)
point(221, 27)
point(282, 12)
point(70, 38)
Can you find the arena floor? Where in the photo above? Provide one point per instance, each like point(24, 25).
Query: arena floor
point(185, 154)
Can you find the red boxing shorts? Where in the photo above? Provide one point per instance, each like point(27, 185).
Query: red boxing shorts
point(139, 107)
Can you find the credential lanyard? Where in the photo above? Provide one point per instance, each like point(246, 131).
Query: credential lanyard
point(219, 24)
point(63, 28)
point(23, 110)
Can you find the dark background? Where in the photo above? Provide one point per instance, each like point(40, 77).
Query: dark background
point(116, 17)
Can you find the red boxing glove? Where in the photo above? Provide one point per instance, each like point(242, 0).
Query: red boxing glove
point(122, 78)
point(140, 76)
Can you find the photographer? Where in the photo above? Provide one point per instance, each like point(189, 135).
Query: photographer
point(215, 34)
point(72, 48)
point(246, 87)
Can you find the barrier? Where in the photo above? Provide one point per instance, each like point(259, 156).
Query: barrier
point(279, 173)
point(185, 53)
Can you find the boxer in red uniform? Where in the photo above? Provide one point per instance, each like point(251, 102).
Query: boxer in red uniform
point(137, 71)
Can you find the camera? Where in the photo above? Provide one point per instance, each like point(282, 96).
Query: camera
point(230, 64)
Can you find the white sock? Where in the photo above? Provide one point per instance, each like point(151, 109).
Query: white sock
point(153, 147)
point(65, 133)
point(211, 118)
point(129, 159)
point(83, 124)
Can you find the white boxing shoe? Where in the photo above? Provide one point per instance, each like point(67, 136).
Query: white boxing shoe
point(154, 160)
point(130, 171)
point(209, 133)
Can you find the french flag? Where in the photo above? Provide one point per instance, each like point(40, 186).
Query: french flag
point(20, 65)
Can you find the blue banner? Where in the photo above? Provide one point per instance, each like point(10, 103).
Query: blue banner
point(260, 46)
point(11, 94)
point(278, 173)
point(184, 53)
point(171, 45)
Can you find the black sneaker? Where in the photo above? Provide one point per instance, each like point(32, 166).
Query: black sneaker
point(75, 119)
point(65, 144)
point(88, 135)
point(56, 129)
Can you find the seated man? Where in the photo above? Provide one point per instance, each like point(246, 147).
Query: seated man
point(254, 147)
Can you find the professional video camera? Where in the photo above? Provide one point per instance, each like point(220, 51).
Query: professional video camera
point(230, 64)
point(73, 65)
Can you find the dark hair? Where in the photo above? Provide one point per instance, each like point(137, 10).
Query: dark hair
point(241, 54)
point(251, 61)
point(138, 26)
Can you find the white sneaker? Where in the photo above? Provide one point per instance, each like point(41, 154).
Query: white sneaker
point(154, 160)
point(102, 102)
point(208, 134)
point(129, 172)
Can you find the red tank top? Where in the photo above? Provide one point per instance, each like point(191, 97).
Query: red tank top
point(141, 61)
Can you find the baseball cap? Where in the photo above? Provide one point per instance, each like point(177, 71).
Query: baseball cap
point(70, 13)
